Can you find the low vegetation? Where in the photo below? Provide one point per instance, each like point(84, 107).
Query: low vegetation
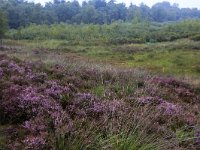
point(3, 25)
point(70, 107)
point(116, 33)
point(123, 82)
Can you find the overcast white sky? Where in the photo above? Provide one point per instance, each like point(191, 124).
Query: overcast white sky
point(182, 3)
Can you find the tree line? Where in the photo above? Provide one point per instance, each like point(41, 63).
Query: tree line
point(21, 13)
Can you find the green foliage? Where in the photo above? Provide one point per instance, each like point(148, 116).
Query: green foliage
point(177, 58)
point(60, 142)
point(22, 13)
point(195, 37)
point(183, 135)
point(132, 142)
point(99, 91)
point(65, 100)
point(3, 24)
point(115, 33)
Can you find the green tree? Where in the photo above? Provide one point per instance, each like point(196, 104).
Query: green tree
point(3, 25)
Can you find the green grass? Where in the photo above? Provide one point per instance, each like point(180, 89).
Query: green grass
point(180, 57)
point(99, 90)
point(169, 62)
point(167, 58)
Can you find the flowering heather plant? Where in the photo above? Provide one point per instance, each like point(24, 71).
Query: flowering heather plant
point(186, 94)
point(37, 125)
point(189, 118)
point(19, 80)
point(81, 104)
point(31, 100)
point(115, 106)
point(98, 108)
point(169, 82)
point(174, 88)
point(34, 142)
point(56, 91)
point(15, 68)
point(149, 100)
point(10, 103)
point(169, 109)
point(36, 77)
point(102, 108)
point(87, 105)
point(62, 122)
point(197, 138)
point(4, 63)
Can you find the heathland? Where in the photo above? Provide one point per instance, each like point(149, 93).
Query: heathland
point(120, 85)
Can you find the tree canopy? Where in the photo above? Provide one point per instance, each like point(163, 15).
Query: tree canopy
point(22, 13)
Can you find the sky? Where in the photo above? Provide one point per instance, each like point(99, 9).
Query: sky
point(182, 3)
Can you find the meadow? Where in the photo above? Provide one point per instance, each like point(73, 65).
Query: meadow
point(124, 86)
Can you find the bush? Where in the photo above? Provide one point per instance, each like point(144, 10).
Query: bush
point(115, 33)
point(3, 24)
point(195, 37)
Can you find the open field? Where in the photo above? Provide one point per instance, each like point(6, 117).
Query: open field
point(178, 58)
point(100, 75)
point(92, 88)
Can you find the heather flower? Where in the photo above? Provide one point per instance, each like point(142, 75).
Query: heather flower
point(10, 102)
point(169, 108)
point(114, 106)
point(33, 105)
point(84, 100)
point(15, 68)
point(185, 93)
point(15, 78)
point(20, 80)
point(36, 125)
point(169, 82)
point(56, 91)
point(197, 138)
point(4, 62)
point(34, 142)
point(27, 125)
point(149, 100)
point(85, 96)
point(33, 101)
point(62, 122)
point(99, 107)
point(81, 105)
point(190, 119)
point(30, 98)
point(86, 105)
point(37, 77)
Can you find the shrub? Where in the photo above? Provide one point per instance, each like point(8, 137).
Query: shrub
point(195, 37)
